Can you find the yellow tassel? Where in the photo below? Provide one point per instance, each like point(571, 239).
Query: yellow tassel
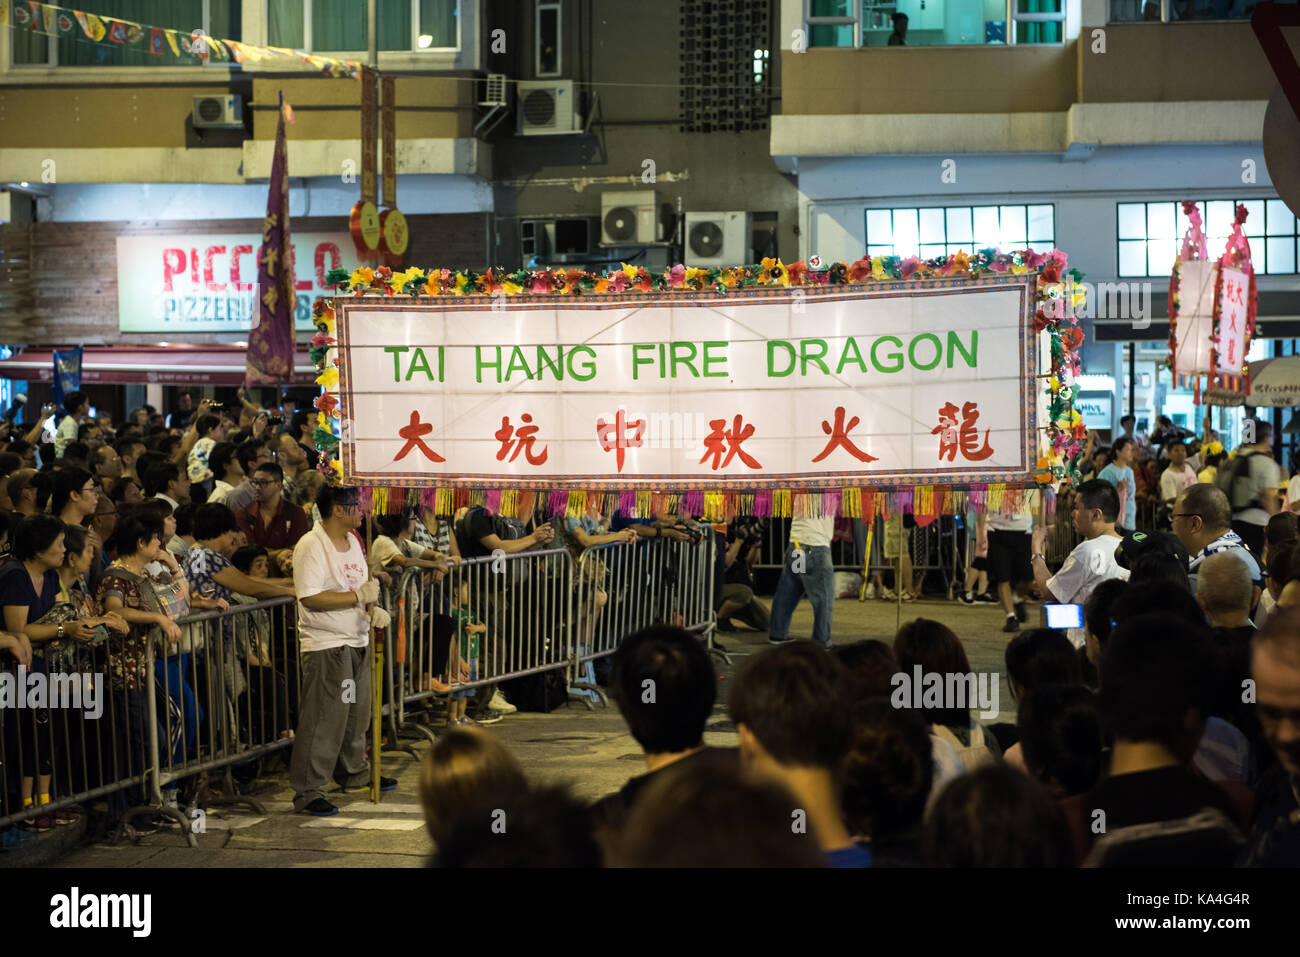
point(380, 502)
point(577, 504)
point(643, 508)
point(996, 493)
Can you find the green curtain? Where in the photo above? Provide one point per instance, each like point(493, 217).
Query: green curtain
point(1028, 33)
point(438, 20)
point(285, 22)
point(339, 25)
point(76, 49)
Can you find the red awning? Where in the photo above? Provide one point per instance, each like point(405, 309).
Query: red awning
point(163, 365)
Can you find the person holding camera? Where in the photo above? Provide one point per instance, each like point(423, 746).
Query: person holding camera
point(736, 597)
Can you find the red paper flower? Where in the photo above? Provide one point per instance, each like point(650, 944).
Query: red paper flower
point(859, 270)
point(326, 404)
point(798, 273)
point(1051, 272)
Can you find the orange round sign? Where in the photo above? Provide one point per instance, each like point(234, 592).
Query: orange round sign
point(364, 226)
point(395, 236)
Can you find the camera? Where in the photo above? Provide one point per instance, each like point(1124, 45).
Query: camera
point(275, 420)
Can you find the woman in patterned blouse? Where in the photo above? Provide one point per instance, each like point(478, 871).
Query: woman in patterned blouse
point(127, 590)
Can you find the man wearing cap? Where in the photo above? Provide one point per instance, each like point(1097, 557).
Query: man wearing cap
point(1202, 520)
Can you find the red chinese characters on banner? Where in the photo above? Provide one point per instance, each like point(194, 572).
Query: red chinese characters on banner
point(522, 439)
point(612, 435)
point(839, 434)
point(414, 434)
point(964, 439)
point(721, 442)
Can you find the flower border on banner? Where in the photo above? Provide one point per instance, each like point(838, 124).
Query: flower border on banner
point(1064, 432)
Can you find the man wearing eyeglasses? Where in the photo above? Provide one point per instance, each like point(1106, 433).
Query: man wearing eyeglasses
point(1202, 520)
point(271, 521)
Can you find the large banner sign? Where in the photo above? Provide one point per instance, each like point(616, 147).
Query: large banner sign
point(930, 383)
point(205, 283)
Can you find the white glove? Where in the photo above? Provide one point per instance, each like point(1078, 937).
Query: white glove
point(369, 592)
point(378, 617)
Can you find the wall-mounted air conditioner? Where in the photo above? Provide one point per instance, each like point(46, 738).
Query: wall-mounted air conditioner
point(630, 218)
point(224, 112)
point(546, 108)
point(717, 239)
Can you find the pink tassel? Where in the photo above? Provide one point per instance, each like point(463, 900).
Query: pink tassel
point(492, 500)
point(763, 503)
point(627, 502)
point(367, 499)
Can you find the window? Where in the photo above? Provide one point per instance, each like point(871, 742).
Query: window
point(69, 46)
point(930, 232)
point(1149, 236)
point(1177, 10)
point(341, 26)
point(878, 23)
point(547, 39)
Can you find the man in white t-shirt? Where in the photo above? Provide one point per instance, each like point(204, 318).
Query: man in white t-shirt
point(806, 570)
point(1179, 476)
point(1096, 506)
point(336, 610)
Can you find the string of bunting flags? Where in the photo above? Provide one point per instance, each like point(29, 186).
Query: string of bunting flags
point(1060, 446)
point(50, 20)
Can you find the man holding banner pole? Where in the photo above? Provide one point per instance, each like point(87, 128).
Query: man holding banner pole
point(337, 608)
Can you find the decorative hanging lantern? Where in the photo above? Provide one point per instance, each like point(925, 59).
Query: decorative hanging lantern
point(1234, 309)
point(1192, 308)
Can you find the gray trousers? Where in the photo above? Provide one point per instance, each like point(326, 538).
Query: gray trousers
point(330, 743)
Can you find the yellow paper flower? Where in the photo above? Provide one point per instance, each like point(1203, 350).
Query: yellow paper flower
point(960, 260)
point(327, 321)
point(1019, 270)
point(730, 278)
point(337, 467)
point(629, 271)
point(692, 273)
point(362, 276)
point(877, 267)
point(511, 288)
point(602, 285)
point(329, 378)
point(433, 285)
point(400, 279)
point(1055, 384)
point(461, 283)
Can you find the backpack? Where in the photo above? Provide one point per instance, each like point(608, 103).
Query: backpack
point(505, 528)
point(1234, 479)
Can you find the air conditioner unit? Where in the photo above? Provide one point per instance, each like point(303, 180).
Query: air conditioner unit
point(717, 239)
point(547, 108)
point(218, 112)
point(630, 219)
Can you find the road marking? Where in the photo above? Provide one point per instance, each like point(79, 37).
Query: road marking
point(364, 823)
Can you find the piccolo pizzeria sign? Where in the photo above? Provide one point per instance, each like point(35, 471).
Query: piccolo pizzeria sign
point(204, 283)
point(928, 382)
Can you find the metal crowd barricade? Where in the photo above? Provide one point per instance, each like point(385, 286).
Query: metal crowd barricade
point(621, 588)
point(86, 730)
point(227, 695)
point(523, 598)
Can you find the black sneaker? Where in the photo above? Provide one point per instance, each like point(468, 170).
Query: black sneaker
point(488, 716)
point(319, 808)
point(1021, 613)
point(1012, 624)
point(778, 641)
point(985, 599)
point(967, 598)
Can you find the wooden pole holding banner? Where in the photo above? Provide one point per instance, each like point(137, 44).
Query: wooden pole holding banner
point(376, 690)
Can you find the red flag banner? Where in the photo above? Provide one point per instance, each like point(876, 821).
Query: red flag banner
point(270, 345)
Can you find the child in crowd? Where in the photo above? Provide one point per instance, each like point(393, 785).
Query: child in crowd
point(465, 656)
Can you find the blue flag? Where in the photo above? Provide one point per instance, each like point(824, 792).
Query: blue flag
point(67, 373)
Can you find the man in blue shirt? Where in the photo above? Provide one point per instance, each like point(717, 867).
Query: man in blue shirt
point(793, 716)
